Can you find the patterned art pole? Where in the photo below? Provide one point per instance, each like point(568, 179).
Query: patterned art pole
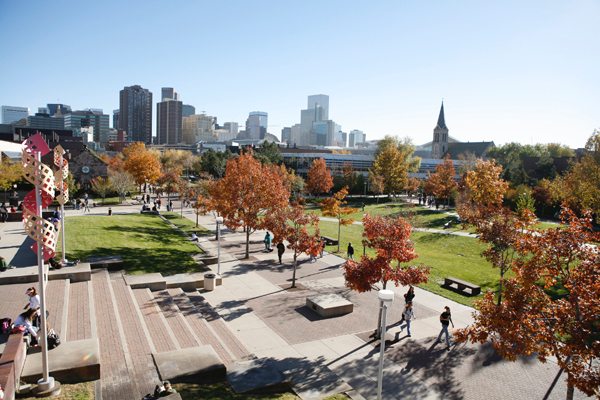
point(41, 231)
point(61, 183)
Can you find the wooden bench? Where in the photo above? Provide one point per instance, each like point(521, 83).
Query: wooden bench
point(460, 286)
point(11, 364)
point(329, 241)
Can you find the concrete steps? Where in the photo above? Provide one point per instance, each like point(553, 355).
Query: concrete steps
point(160, 332)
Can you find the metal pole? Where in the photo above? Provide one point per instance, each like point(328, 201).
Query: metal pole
point(382, 351)
point(43, 337)
point(219, 249)
point(62, 215)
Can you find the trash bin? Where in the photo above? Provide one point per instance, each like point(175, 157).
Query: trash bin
point(210, 281)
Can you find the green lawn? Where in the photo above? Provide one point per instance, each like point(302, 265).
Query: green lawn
point(185, 224)
point(146, 242)
point(447, 255)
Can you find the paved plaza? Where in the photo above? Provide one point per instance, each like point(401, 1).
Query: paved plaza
point(255, 314)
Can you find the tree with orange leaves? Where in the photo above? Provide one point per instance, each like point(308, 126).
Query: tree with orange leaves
point(333, 207)
point(551, 304)
point(481, 205)
point(441, 183)
point(170, 181)
point(390, 237)
point(319, 178)
point(142, 164)
point(291, 223)
point(248, 192)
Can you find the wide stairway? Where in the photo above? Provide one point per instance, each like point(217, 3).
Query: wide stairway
point(130, 325)
point(134, 323)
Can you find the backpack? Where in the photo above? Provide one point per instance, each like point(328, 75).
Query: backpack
point(5, 325)
point(53, 339)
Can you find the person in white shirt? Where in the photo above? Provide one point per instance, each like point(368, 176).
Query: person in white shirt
point(34, 299)
point(408, 315)
point(25, 319)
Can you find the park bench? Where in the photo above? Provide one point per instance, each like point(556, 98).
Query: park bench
point(150, 212)
point(11, 364)
point(329, 241)
point(460, 286)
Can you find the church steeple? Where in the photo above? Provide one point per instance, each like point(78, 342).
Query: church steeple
point(439, 146)
point(441, 120)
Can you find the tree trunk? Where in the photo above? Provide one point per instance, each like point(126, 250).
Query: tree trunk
point(247, 243)
point(500, 289)
point(339, 230)
point(570, 391)
point(294, 272)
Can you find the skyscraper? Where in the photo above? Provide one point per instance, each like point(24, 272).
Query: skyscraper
point(54, 107)
point(356, 137)
point(256, 125)
point(169, 93)
point(188, 110)
point(135, 113)
point(76, 120)
point(319, 100)
point(232, 127)
point(116, 119)
point(169, 118)
point(12, 114)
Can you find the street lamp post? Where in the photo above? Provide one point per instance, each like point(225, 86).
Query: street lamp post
point(386, 297)
point(219, 222)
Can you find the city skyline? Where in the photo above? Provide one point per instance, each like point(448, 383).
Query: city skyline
point(507, 72)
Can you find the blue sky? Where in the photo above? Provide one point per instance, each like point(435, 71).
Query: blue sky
point(507, 70)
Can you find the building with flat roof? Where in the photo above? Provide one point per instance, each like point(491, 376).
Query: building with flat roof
point(256, 125)
point(135, 113)
point(187, 110)
point(12, 114)
point(169, 128)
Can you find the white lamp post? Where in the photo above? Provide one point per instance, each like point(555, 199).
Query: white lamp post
point(219, 222)
point(386, 298)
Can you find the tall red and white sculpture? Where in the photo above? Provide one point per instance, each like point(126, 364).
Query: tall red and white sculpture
point(41, 231)
point(60, 177)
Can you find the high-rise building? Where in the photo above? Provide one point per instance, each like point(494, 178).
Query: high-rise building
point(169, 121)
point(95, 118)
point(188, 110)
point(286, 135)
point(43, 110)
point(199, 128)
point(169, 93)
point(256, 125)
point(232, 127)
point(135, 113)
point(356, 137)
point(319, 100)
point(12, 114)
point(45, 121)
point(439, 146)
point(116, 119)
point(53, 108)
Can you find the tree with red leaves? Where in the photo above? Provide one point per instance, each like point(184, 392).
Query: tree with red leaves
point(247, 193)
point(551, 304)
point(291, 223)
point(390, 237)
point(319, 178)
point(441, 183)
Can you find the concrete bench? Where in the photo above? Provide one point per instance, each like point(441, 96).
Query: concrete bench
point(329, 305)
point(154, 281)
point(460, 286)
point(108, 262)
point(191, 365)
point(71, 362)
point(150, 212)
point(78, 273)
point(11, 364)
point(329, 241)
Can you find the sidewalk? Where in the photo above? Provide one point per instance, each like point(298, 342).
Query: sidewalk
point(273, 322)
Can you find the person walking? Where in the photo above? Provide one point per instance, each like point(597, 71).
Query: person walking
point(280, 250)
point(350, 251)
point(268, 242)
point(408, 298)
point(408, 315)
point(86, 204)
point(445, 320)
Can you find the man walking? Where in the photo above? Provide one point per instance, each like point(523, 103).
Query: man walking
point(445, 320)
point(350, 251)
point(408, 315)
point(280, 250)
